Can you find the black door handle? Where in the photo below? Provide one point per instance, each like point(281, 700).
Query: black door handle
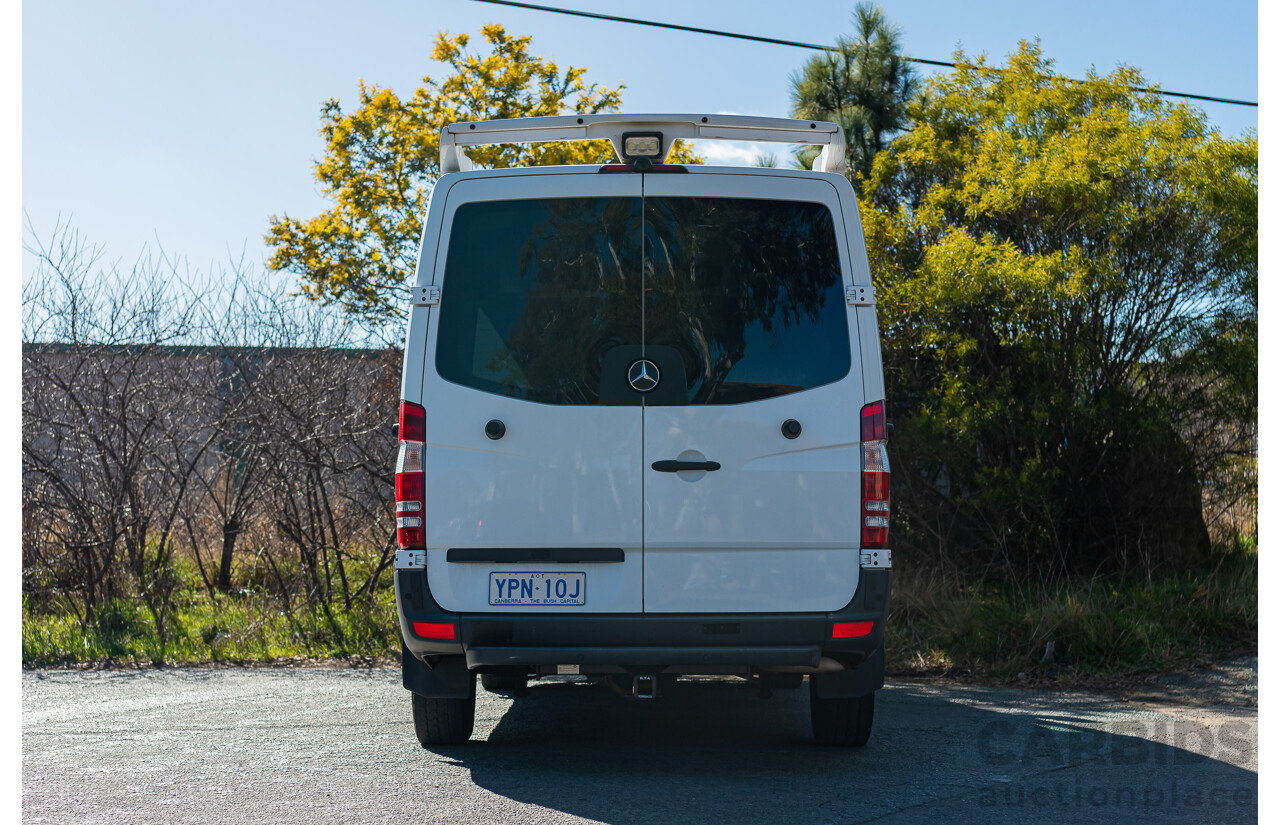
point(673, 466)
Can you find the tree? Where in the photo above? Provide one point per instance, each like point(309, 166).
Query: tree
point(1051, 257)
point(863, 85)
point(382, 160)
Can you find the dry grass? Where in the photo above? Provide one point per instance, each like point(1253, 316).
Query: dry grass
point(1100, 625)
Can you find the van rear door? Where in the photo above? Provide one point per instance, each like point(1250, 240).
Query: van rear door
point(745, 310)
point(540, 281)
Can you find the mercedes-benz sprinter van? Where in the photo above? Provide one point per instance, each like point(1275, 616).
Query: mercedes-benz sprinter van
point(642, 432)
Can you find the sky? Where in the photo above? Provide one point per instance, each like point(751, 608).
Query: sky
point(186, 126)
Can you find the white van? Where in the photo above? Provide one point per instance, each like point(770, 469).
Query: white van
point(642, 432)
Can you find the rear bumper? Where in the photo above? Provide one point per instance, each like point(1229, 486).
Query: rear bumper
point(640, 657)
point(653, 641)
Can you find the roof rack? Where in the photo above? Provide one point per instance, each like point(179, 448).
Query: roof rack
point(455, 137)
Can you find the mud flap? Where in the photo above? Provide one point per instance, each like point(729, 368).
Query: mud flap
point(853, 682)
point(447, 679)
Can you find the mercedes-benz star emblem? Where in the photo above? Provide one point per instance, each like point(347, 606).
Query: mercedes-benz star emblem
point(643, 375)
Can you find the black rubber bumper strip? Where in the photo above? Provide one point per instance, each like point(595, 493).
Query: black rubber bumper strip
point(548, 555)
point(799, 656)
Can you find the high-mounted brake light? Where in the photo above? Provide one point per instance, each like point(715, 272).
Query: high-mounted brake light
point(410, 479)
point(657, 167)
point(875, 478)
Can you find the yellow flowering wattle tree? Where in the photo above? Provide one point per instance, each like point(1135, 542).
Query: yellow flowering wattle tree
point(1053, 261)
point(382, 159)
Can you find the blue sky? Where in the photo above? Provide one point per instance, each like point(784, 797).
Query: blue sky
point(193, 123)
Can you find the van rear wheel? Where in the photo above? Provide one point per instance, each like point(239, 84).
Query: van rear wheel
point(844, 722)
point(443, 721)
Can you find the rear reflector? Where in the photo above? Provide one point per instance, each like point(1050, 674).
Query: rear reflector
point(851, 630)
point(435, 630)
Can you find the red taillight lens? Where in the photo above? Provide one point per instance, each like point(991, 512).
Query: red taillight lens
point(435, 630)
point(413, 422)
point(851, 630)
point(410, 482)
point(873, 426)
point(875, 478)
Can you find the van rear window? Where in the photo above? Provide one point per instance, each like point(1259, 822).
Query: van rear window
point(748, 292)
point(742, 298)
point(535, 292)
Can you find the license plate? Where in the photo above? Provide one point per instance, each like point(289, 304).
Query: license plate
point(537, 588)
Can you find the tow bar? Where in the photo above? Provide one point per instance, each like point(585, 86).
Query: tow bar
point(644, 686)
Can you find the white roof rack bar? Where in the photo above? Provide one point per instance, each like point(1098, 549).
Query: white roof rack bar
point(455, 137)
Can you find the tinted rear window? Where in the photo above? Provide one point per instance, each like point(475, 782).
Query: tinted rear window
point(750, 294)
point(535, 292)
point(743, 298)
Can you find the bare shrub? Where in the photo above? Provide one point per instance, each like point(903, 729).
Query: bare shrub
point(169, 412)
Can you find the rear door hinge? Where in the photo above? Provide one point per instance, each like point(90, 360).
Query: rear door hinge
point(862, 295)
point(424, 296)
point(411, 559)
point(877, 559)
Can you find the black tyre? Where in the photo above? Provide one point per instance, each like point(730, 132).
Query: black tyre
point(443, 721)
point(841, 722)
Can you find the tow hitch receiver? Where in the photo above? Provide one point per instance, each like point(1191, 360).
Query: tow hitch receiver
point(644, 686)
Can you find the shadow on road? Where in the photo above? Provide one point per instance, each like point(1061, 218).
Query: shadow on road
point(717, 751)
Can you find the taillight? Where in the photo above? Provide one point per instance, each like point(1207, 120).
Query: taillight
point(410, 481)
point(851, 630)
point(875, 478)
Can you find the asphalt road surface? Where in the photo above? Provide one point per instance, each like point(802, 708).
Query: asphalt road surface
point(333, 745)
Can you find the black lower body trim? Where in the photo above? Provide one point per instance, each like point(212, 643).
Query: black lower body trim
point(645, 656)
point(447, 678)
point(850, 683)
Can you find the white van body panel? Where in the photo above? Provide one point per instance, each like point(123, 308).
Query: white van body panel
point(867, 329)
point(776, 529)
point(562, 476)
point(415, 340)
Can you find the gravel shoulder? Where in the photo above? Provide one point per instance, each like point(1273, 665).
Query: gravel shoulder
point(1229, 682)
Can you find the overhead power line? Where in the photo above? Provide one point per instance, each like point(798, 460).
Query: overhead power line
point(812, 46)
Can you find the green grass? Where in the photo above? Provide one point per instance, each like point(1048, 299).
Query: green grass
point(1102, 625)
point(1097, 626)
point(248, 628)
